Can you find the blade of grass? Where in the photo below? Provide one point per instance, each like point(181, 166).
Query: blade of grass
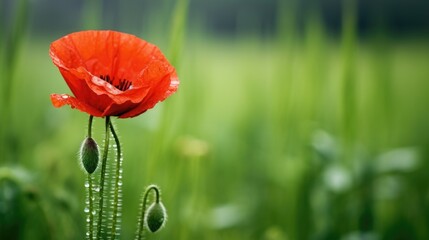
point(177, 36)
point(12, 45)
point(178, 30)
point(348, 97)
point(92, 14)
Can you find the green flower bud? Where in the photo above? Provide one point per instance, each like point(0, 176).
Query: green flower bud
point(89, 155)
point(156, 216)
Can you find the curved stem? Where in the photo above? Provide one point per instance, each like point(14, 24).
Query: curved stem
point(102, 178)
point(118, 176)
point(141, 228)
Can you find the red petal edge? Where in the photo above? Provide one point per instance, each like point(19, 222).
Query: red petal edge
point(59, 100)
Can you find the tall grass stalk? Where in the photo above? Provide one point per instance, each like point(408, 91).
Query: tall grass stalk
point(11, 44)
point(178, 30)
point(287, 42)
point(92, 14)
point(348, 79)
point(382, 115)
point(283, 101)
point(312, 83)
point(177, 36)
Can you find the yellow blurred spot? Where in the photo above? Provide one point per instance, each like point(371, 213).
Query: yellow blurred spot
point(192, 147)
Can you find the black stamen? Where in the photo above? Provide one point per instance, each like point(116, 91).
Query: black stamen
point(123, 83)
point(127, 85)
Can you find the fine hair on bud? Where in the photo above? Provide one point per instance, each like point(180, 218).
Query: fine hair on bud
point(156, 216)
point(89, 155)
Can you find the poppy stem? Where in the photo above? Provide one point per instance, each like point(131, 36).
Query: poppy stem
point(89, 211)
point(102, 178)
point(90, 126)
point(117, 200)
point(141, 220)
point(90, 190)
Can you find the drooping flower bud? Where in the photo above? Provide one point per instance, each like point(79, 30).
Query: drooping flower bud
point(89, 154)
point(156, 216)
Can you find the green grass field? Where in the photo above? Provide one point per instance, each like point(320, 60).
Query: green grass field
point(296, 136)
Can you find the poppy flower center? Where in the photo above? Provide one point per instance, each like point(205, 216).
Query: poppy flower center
point(122, 84)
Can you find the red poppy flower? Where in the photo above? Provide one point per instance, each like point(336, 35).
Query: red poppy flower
point(111, 73)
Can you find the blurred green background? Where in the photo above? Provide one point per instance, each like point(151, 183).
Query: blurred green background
point(294, 120)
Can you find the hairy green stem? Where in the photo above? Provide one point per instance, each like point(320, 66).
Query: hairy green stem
point(140, 231)
point(118, 174)
point(90, 191)
point(90, 126)
point(102, 178)
point(91, 208)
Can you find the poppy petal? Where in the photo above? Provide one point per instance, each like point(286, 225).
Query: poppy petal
point(101, 87)
point(59, 100)
point(118, 109)
point(166, 89)
point(82, 91)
